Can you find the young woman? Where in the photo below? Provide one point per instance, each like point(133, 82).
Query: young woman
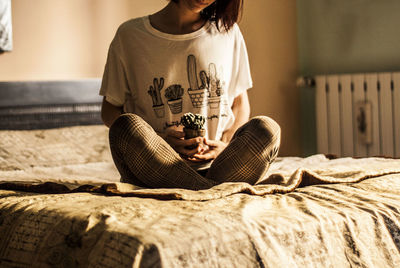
point(188, 57)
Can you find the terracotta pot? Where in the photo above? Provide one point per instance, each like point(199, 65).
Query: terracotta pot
point(193, 133)
point(159, 110)
point(175, 106)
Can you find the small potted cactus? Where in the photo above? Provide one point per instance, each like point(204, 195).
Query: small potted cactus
point(196, 92)
point(154, 92)
point(214, 87)
point(174, 95)
point(193, 126)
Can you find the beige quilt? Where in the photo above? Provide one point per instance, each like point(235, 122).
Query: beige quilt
point(62, 206)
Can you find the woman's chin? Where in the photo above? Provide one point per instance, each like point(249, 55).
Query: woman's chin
point(198, 5)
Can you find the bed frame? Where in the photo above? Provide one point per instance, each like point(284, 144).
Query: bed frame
point(49, 104)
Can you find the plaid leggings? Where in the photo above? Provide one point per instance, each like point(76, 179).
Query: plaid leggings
point(145, 159)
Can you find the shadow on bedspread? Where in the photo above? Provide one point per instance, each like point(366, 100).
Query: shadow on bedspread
point(346, 170)
point(312, 212)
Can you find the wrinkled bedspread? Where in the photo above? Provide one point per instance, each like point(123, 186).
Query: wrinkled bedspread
point(315, 223)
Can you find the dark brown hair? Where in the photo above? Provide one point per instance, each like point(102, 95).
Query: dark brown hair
point(226, 12)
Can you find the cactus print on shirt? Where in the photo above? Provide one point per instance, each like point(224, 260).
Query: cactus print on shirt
point(161, 76)
point(207, 94)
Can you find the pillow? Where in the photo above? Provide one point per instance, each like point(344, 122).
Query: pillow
point(24, 149)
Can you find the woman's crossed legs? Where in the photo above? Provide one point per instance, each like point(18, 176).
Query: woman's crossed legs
point(145, 159)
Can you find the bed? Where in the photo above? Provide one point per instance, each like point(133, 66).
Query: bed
point(62, 205)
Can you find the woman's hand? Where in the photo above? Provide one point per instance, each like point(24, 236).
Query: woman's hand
point(213, 150)
point(176, 140)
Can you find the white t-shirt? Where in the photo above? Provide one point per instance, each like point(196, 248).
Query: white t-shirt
point(161, 76)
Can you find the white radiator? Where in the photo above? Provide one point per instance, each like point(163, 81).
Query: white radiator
point(358, 114)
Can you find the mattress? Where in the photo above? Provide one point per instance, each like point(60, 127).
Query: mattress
point(61, 204)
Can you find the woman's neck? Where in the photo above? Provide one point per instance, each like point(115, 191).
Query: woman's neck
point(176, 19)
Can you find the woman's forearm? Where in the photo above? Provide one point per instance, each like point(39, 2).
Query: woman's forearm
point(241, 110)
point(109, 113)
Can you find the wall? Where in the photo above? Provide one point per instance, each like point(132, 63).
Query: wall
point(342, 36)
point(64, 39)
point(269, 28)
point(68, 39)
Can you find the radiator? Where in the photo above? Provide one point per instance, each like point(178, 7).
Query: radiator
point(358, 114)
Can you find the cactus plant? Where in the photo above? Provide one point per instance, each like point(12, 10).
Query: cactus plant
point(193, 121)
point(197, 94)
point(205, 82)
point(193, 126)
point(174, 92)
point(155, 92)
point(209, 81)
point(174, 95)
point(192, 72)
point(214, 83)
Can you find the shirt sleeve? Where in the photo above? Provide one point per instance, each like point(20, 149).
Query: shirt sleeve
point(241, 67)
point(114, 84)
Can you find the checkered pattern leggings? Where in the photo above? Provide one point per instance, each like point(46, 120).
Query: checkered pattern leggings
point(145, 159)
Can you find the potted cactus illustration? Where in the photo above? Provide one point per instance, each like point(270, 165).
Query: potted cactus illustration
point(155, 93)
point(174, 95)
point(193, 126)
point(196, 93)
point(214, 87)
